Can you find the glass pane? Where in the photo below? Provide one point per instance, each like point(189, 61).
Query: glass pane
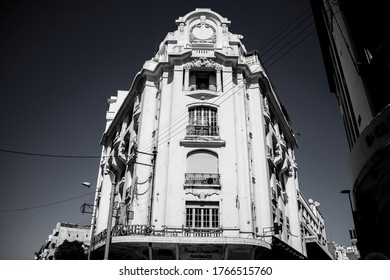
point(206, 116)
point(198, 116)
point(206, 218)
point(192, 117)
point(198, 217)
point(213, 118)
point(189, 216)
point(215, 218)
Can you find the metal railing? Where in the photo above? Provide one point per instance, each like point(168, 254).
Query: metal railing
point(202, 130)
point(202, 86)
point(137, 230)
point(202, 178)
point(202, 232)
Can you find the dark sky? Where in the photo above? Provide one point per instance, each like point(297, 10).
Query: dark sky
point(61, 60)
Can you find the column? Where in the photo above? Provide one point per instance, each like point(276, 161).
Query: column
point(186, 77)
point(218, 69)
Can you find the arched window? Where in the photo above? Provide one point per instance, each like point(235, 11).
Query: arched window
point(202, 121)
point(202, 168)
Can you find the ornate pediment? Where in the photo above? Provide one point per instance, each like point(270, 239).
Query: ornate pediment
point(203, 33)
point(203, 62)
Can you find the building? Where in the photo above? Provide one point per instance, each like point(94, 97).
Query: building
point(354, 38)
point(62, 232)
point(199, 155)
point(313, 229)
point(342, 252)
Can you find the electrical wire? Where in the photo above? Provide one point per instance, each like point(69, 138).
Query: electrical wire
point(47, 155)
point(44, 205)
point(289, 50)
point(178, 120)
point(290, 41)
point(167, 128)
point(276, 60)
point(267, 50)
point(285, 26)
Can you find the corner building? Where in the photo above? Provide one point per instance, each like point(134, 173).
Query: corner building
point(200, 154)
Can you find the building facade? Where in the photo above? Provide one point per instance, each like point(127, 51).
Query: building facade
point(63, 231)
point(198, 156)
point(354, 38)
point(313, 229)
point(342, 252)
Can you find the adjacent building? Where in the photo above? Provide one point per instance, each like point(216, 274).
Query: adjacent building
point(62, 232)
point(198, 158)
point(342, 252)
point(354, 38)
point(313, 229)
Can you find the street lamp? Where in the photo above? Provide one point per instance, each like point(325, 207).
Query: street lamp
point(87, 184)
point(93, 221)
point(110, 210)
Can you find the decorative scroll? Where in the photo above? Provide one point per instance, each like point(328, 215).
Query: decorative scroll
point(203, 62)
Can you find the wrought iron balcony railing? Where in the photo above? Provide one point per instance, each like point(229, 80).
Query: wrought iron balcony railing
point(202, 179)
point(202, 232)
point(202, 130)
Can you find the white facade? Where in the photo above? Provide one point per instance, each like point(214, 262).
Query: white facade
point(201, 155)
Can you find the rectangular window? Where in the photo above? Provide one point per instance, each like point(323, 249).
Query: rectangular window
point(202, 214)
point(202, 80)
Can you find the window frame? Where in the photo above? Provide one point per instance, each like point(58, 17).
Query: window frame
point(202, 215)
point(202, 121)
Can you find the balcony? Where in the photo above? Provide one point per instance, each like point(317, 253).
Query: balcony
point(202, 179)
point(201, 91)
point(202, 232)
point(202, 136)
point(202, 130)
point(202, 86)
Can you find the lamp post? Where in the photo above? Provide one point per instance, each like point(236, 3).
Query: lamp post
point(110, 210)
point(93, 221)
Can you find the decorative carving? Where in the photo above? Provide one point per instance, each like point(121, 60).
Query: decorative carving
point(224, 29)
point(181, 27)
point(203, 33)
point(218, 67)
point(201, 62)
point(202, 195)
point(187, 66)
